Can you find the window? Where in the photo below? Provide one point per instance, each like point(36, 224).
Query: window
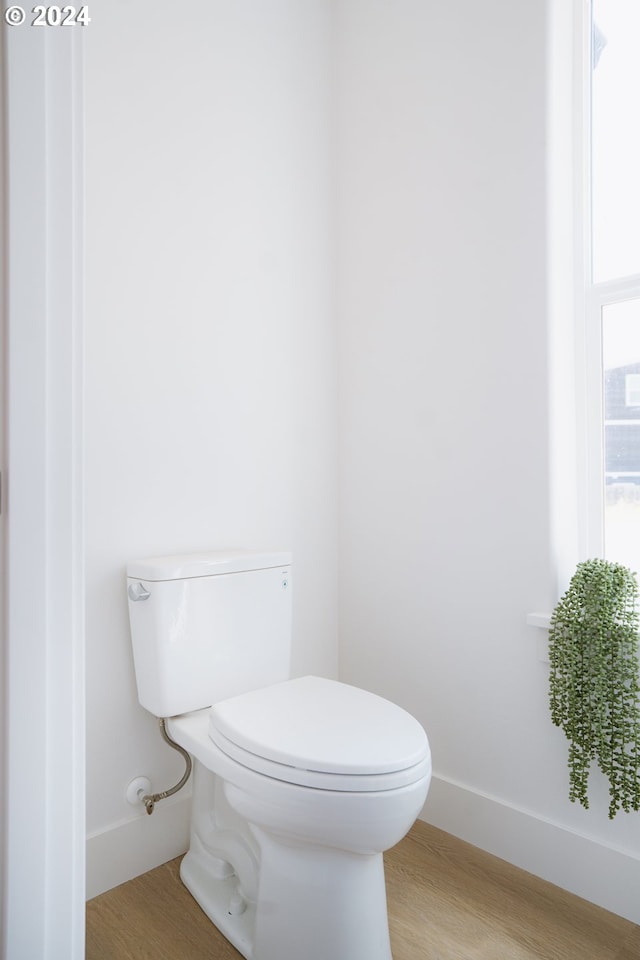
point(632, 390)
point(613, 280)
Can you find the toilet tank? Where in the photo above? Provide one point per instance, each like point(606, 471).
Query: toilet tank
point(205, 627)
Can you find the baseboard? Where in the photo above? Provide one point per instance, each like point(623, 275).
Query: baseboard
point(601, 874)
point(127, 849)
point(604, 875)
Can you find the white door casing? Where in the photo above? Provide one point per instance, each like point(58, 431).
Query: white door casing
point(43, 629)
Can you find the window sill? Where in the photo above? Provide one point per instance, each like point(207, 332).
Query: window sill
point(542, 621)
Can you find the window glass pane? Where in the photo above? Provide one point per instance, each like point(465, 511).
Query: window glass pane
point(616, 139)
point(621, 361)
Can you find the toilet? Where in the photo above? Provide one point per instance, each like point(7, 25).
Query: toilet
point(299, 785)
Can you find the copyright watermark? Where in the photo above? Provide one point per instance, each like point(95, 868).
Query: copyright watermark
point(14, 16)
point(47, 16)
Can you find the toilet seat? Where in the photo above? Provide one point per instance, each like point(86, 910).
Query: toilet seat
point(322, 734)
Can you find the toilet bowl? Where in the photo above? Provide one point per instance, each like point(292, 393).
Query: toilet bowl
point(299, 785)
point(311, 882)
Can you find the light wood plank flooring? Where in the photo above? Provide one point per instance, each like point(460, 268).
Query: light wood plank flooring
point(447, 901)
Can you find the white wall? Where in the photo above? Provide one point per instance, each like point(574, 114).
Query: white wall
point(445, 541)
point(210, 358)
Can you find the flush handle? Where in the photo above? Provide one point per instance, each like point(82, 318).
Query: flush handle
point(136, 591)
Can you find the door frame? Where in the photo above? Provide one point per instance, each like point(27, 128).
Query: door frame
point(43, 727)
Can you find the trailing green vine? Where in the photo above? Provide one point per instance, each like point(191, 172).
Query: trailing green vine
point(594, 687)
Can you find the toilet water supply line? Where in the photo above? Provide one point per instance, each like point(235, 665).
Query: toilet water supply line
point(150, 800)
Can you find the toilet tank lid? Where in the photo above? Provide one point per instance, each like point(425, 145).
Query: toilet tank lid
point(185, 566)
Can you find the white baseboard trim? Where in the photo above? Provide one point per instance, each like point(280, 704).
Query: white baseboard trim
point(127, 849)
point(599, 873)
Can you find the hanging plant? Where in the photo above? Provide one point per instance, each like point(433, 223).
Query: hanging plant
point(594, 686)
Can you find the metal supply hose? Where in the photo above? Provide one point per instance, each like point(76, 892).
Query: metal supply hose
point(151, 800)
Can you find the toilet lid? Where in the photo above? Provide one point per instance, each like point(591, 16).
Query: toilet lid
point(321, 726)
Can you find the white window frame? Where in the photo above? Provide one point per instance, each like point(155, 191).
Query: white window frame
point(591, 299)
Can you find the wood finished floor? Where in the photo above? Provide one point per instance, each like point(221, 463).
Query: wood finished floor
point(447, 901)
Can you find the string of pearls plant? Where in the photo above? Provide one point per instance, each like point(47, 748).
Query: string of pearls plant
point(594, 687)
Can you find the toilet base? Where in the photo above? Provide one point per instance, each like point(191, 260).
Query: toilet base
point(217, 897)
point(330, 905)
point(319, 903)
